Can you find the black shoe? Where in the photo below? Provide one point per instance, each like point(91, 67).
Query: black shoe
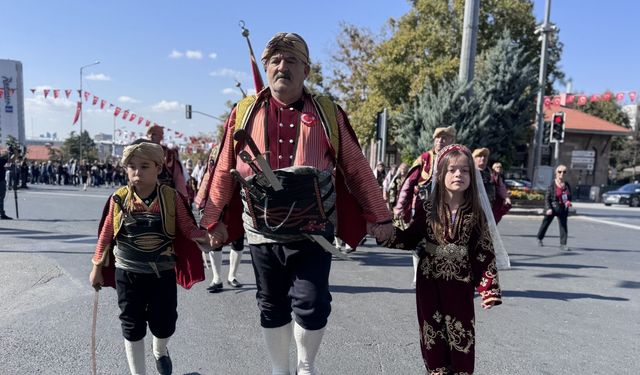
point(214, 288)
point(5, 217)
point(164, 365)
point(234, 283)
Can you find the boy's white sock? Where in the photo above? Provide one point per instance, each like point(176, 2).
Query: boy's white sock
point(216, 265)
point(135, 356)
point(308, 344)
point(160, 347)
point(235, 257)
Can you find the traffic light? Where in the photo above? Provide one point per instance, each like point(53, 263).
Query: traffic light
point(188, 111)
point(557, 127)
point(546, 133)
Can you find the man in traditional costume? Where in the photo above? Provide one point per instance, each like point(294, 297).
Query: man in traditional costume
point(172, 171)
point(417, 184)
point(319, 179)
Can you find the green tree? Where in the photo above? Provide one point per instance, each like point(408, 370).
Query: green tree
point(71, 147)
point(424, 46)
point(497, 116)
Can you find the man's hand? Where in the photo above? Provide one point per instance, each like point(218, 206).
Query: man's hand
point(382, 232)
point(204, 243)
point(95, 277)
point(218, 236)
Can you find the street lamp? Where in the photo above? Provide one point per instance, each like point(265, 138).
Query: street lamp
point(81, 103)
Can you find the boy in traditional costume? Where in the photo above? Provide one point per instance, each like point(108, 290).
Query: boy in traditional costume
point(153, 231)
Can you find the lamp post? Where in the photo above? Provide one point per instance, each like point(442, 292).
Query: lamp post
point(81, 103)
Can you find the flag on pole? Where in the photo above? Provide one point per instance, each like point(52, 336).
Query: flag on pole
point(77, 115)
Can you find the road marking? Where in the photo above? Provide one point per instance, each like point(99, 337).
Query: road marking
point(69, 194)
point(636, 227)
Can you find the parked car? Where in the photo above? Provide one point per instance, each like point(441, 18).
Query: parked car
point(627, 194)
point(518, 185)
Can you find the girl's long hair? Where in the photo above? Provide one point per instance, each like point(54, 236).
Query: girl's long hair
point(438, 215)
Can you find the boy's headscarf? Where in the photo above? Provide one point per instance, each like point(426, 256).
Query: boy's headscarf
point(144, 150)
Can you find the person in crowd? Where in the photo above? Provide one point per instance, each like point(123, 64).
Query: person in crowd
point(152, 228)
point(172, 171)
point(458, 258)
point(380, 173)
point(502, 204)
point(417, 185)
point(481, 161)
point(5, 159)
point(557, 201)
point(309, 139)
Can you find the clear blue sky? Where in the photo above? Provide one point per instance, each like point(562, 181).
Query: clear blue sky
point(134, 40)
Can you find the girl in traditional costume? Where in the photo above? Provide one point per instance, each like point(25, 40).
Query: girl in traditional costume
point(459, 258)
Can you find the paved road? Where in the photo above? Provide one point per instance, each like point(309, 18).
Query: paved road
point(563, 312)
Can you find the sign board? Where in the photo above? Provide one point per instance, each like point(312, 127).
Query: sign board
point(11, 102)
point(583, 154)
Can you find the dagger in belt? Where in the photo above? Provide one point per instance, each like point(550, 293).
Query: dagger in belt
point(241, 135)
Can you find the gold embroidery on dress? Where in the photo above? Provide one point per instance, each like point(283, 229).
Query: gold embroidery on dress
point(451, 262)
point(428, 335)
point(459, 338)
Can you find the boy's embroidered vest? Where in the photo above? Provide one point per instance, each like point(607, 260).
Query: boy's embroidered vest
point(166, 198)
point(323, 104)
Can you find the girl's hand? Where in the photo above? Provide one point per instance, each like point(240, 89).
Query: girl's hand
point(95, 277)
point(549, 212)
point(487, 305)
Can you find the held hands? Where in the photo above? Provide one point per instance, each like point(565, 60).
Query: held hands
point(382, 232)
point(218, 236)
point(95, 277)
point(487, 305)
point(204, 243)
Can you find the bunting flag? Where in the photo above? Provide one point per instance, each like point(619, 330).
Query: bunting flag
point(56, 93)
point(87, 94)
point(77, 115)
point(102, 103)
point(133, 116)
point(140, 120)
point(80, 94)
point(67, 92)
point(125, 114)
point(95, 100)
point(584, 99)
point(46, 92)
point(148, 123)
point(33, 91)
point(117, 111)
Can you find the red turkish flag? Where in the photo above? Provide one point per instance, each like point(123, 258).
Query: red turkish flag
point(556, 100)
point(86, 95)
point(606, 96)
point(67, 92)
point(620, 96)
point(582, 100)
point(570, 99)
point(95, 100)
point(46, 92)
point(632, 96)
point(102, 103)
point(56, 93)
point(33, 91)
point(147, 124)
point(77, 115)
point(117, 111)
point(547, 101)
point(595, 98)
point(140, 120)
point(133, 116)
point(125, 114)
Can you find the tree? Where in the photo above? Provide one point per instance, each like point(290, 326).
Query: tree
point(424, 46)
point(497, 116)
point(71, 147)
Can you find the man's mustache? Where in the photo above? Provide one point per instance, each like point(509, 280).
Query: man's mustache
point(285, 75)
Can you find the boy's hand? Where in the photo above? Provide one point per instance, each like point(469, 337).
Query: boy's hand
point(204, 243)
point(487, 305)
point(95, 277)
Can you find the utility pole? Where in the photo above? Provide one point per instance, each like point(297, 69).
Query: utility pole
point(469, 42)
point(545, 29)
point(82, 102)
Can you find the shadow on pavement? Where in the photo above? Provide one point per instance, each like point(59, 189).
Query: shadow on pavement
point(554, 265)
point(60, 220)
point(382, 259)
point(559, 276)
point(607, 250)
point(629, 284)
point(367, 289)
point(561, 296)
point(46, 252)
